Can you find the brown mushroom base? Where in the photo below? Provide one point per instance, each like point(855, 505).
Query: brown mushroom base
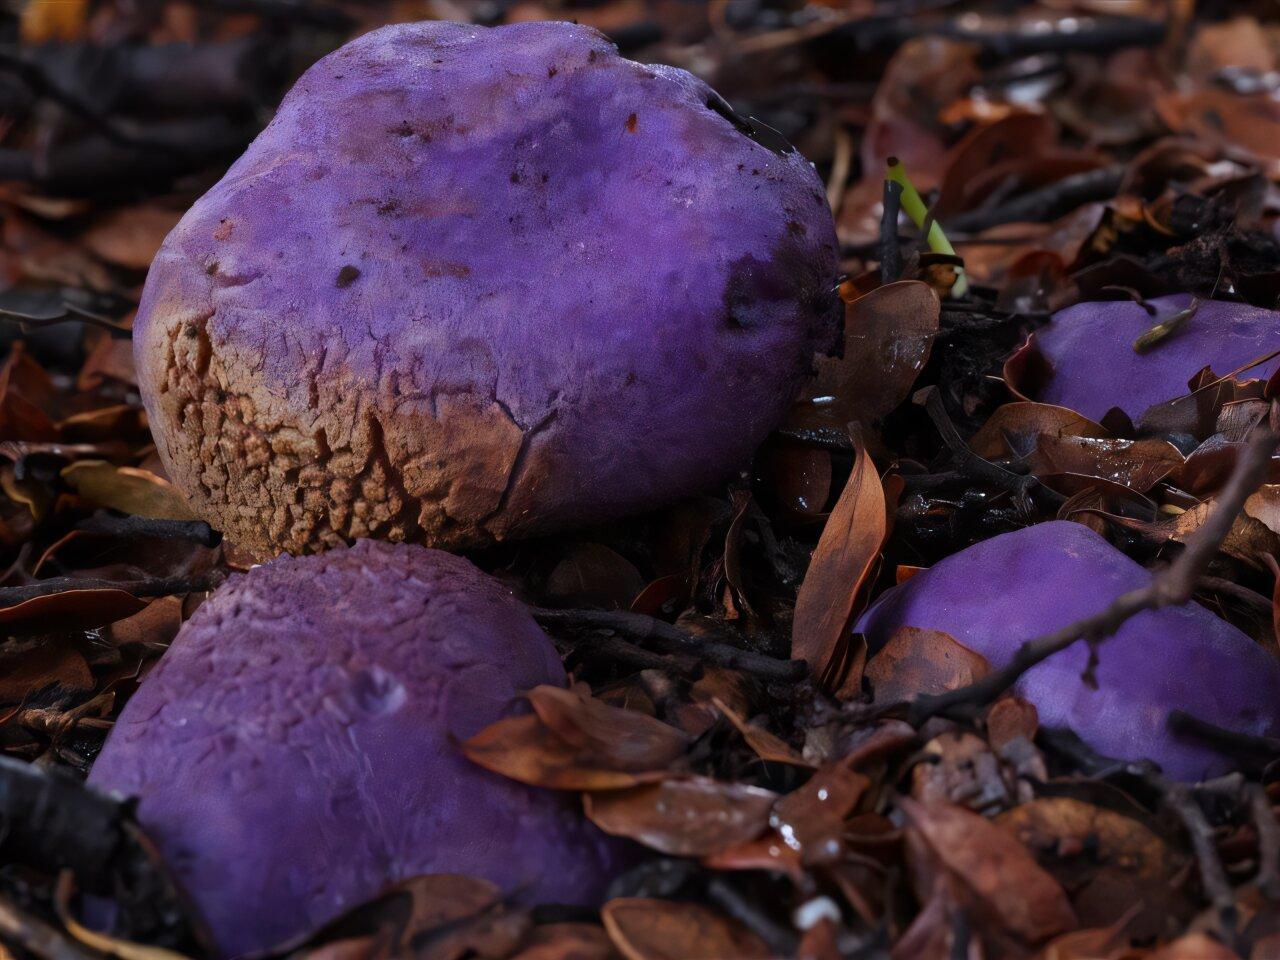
point(272, 477)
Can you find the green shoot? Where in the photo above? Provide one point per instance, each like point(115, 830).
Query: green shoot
point(913, 206)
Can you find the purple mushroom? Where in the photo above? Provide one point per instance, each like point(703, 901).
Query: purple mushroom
point(1095, 366)
point(294, 751)
point(1017, 586)
point(481, 283)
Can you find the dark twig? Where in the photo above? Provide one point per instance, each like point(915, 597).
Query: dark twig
point(1044, 203)
point(972, 465)
point(70, 314)
point(156, 587)
point(1264, 821)
point(644, 629)
point(130, 527)
point(1243, 746)
point(1171, 587)
point(1236, 591)
point(890, 252)
point(22, 929)
point(1212, 875)
point(616, 650)
point(780, 940)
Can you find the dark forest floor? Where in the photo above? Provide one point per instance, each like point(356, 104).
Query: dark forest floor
point(1116, 149)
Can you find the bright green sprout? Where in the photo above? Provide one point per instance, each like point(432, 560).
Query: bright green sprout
point(913, 205)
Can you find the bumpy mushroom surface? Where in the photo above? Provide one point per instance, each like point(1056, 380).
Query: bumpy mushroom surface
point(294, 750)
point(993, 596)
point(476, 283)
point(1095, 367)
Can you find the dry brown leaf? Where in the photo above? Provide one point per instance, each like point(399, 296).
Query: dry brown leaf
point(1246, 126)
point(50, 21)
point(157, 624)
point(567, 941)
point(800, 476)
point(888, 335)
point(1136, 464)
point(24, 673)
point(433, 917)
point(997, 871)
point(523, 749)
point(628, 740)
point(127, 489)
point(1095, 943)
point(129, 237)
point(960, 768)
point(70, 610)
point(686, 818)
point(1014, 428)
point(593, 575)
point(812, 816)
point(1107, 862)
point(846, 554)
point(767, 746)
point(576, 742)
point(1194, 946)
point(1011, 718)
point(770, 853)
point(917, 661)
point(665, 930)
point(110, 358)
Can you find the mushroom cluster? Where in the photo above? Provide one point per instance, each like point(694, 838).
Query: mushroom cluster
point(468, 284)
point(294, 752)
point(476, 283)
point(1017, 586)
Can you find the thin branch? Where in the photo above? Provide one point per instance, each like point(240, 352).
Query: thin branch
point(1171, 587)
point(1213, 877)
point(1041, 204)
point(1264, 821)
point(155, 587)
point(644, 629)
point(890, 251)
point(29, 932)
point(131, 527)
point(70, 314)
point(1244, 747)
point(970, 464)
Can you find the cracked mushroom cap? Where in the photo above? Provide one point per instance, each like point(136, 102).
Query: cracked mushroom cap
point(1095, 368)
point(294, 751)
point(993, 596)
point(479, 283)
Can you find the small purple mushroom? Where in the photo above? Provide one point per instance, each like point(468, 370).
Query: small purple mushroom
point(479, 283)
point(1095, 366)
point(1017, 586)
point(294, 752)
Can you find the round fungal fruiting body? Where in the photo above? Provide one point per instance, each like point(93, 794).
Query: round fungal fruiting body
point(478, 283)
point(1096, 368)
point(295, 750)
point(999, 593)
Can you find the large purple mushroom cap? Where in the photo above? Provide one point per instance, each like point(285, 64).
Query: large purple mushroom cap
point(479, 283)
point(1095, 367)
point(294, 752)
point(993, 596)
